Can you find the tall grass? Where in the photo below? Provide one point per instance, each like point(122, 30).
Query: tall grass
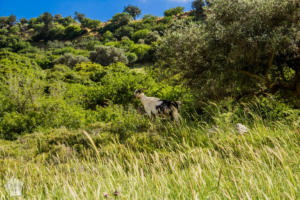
point(262, 164)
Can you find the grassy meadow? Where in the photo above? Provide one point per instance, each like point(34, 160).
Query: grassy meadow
point(70, 127)
point(185, 162)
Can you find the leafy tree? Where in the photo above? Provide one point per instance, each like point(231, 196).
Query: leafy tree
point(57, 32)
point(7, 21)
point(47, 18)
point(90, 23)
point(134, 11)
point(173, 11)
point(11, 20)
point(23, 21)
point(106, 55)
point(251, 47)
point(23, 25)
point(73, 31)
point(197, 6)
point(66, 21)
point(57, 18)
point(79, 16)
point(120, 19)
point(86, 22)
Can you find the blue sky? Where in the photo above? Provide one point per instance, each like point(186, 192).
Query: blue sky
point(95, 9)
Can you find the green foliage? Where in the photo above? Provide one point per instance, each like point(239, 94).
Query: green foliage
point(46, 62)
point(73, 31)
point(57, 32)
point(267, 110)
point(12, 124)
point(106, 55)
point(88, 43)
point(7, 22)
point(108, 36)
point(86, 22)
point(132, 57)
point(118, 20)
point(71, 60)
point(134, 11)
point(12, 63)
point(66, 21)
point(230, 55)
point(141, 50)
point(71, 50)
point(12, 42)
point(141, 34)
point(64, 113)
point(148, 18)
point(174, 11)
point(198, 6)
point(124, 31)
point(91, 24)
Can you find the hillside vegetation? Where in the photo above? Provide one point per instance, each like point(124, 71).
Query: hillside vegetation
point(70, 127)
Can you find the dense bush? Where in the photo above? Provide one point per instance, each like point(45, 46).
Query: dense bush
point(118, 20)
point(46, 62)
point(174, 11)
point(69, 49)
point(12, 42)
point(230, 55)
point(124, 31)
point(141, 34)
point(106, 55)
point(71, 60)
point(73, 31)
point(91, 24)
point(132, 57)
point(52, 83)
point(141, 50)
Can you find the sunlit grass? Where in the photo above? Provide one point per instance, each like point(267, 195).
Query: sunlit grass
point(263, 164)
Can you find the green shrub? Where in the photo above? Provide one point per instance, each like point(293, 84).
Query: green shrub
point(71, 50)
point(132, 57)
point(14, 124)
point(73, 31)
point(71, 60)
point(120, 19)
point(12, 42)
point(108, 36)
point(141, 50)
point(124, 31)
point(46, 62)
point(12, 63)
point(174, 11)
point(57, 32)
point(106, 55)
point(141, 34)
point(90, 23)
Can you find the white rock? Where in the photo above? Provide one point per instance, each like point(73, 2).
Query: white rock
point(241, 129)
point(214, 129)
